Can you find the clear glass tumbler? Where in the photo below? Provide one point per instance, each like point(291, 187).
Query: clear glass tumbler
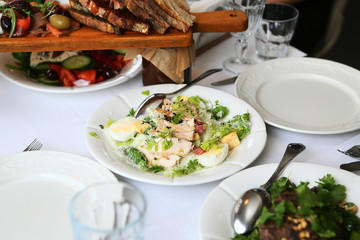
point(108, 211)
point(276, 30)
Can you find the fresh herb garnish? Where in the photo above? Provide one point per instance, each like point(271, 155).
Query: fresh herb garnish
point(166, 144)
point(131, 113)
point(94, 134)
point(219, 112)
point(177, 118)
point(140, 160)
point(146, 92)
point(108, 124)
point(192, 166)
point(125, 143)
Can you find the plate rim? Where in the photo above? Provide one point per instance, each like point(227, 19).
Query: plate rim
point(291, 126)
point(32, 85)
point(162, 180)
point(46, 166)
point(223, 187)
point(27, 154)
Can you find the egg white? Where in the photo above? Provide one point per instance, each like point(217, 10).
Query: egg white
point(123, 129)
point(214, 157)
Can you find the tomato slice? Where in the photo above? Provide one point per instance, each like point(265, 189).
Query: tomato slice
point(65, 75)
point(118, 62)
point(22, 25)
point(89, 75)
point(100, 79)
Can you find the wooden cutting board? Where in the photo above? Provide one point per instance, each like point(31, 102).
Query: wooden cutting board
point(90, 39)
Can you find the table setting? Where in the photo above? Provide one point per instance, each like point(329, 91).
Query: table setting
point(49, 189)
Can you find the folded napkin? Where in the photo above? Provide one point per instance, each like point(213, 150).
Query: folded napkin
point(165, 59)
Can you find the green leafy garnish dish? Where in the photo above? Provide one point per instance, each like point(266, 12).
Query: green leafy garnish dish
point(186, 135)
point(301, 212)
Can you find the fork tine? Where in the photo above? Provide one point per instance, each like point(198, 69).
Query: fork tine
point(30, 145)
point(34, 146)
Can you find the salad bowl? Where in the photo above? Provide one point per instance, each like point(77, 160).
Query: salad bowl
point(130, 70)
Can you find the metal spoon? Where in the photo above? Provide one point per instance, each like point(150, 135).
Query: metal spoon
point(159, 96)
point(249, 207)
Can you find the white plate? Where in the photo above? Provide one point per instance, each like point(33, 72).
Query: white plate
point(117, 108)
point(36, 188)
point(305, 95)
point(215, 215)
point(17, 77)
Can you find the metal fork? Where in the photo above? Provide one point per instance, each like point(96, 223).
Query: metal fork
point(160, 96)
point(34, 146)
point(352, 152)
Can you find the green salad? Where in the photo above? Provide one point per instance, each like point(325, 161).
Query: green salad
point(184, 135)
point(301, 212)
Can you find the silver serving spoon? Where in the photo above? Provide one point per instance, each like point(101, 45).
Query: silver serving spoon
point(159, 96)
point(249, 207)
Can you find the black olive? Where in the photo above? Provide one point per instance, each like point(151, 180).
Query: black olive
point(6, 23)
point(21, 6)
point(107, 72)
point(51, 74)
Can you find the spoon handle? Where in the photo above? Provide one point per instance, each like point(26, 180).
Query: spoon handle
point(202, 76)
point(292, 150)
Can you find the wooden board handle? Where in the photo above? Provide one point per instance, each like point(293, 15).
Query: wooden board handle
point(220, 21)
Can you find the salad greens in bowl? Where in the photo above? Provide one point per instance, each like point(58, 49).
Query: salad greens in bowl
point(199, 136)
point(69, 71)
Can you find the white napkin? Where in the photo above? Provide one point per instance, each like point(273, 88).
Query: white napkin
point(202, 39)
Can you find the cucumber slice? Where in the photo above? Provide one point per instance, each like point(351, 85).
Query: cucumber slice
point(77, 62)
point(42, 79)
point(120, 51)
point(41, 66)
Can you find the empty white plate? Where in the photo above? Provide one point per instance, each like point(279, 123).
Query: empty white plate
point(306, 95)
point(36, 189)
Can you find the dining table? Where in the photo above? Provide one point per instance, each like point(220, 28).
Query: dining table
point(58, 120)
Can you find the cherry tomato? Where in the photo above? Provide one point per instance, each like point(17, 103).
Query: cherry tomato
point(65, 75)
point(89, 75)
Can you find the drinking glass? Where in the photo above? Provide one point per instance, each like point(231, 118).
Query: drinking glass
point(276, 30)
point(108, 211)
point(254, 10)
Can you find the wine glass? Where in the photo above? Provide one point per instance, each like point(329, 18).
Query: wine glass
point(254, 10)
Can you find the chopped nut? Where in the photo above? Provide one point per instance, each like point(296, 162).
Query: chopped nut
point(304, 235)
point(300, 223)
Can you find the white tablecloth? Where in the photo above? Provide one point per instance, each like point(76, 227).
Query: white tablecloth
point(58, 120)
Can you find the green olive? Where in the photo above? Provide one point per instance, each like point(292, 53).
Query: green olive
point(60, 22)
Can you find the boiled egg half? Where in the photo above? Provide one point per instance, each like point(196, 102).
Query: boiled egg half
point(214, 156)
point(126, 128)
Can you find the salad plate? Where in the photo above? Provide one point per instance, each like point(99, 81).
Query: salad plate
point(215, 215)
point(118, 107)
point(307, 95)
point(36, 188)
point(17, 77)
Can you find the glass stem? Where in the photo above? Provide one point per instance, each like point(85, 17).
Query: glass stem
point(240, 49)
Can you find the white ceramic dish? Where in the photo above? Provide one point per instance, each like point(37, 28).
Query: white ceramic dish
point(215, 215)
point(36, 188)
point(117, 108)
point(305, 95)
point(17, 77)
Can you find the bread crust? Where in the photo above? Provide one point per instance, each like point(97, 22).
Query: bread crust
point(157, 23)
point(120, 18)
point(93, 21)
